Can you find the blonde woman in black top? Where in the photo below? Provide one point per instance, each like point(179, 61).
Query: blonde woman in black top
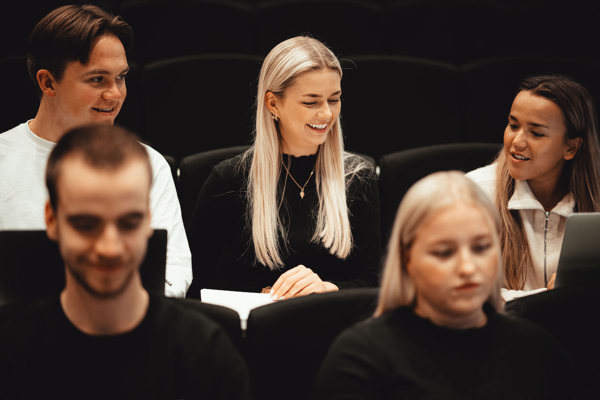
point(437, 332)
point(295, 214)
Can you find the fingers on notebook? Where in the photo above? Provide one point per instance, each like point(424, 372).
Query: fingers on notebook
point(298, 281)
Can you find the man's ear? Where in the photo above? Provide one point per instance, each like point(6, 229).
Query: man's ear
point(573, 146)
point(50, 217)
point(271, 101)
point(46, 81)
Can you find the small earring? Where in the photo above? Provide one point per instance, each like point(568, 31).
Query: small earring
point(275, 117)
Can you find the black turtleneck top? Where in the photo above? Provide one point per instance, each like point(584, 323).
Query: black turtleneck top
point(403, 356)
point(220, 238)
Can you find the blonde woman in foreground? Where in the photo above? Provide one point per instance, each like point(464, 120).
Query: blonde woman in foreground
point(295, 214)
point(437, 331)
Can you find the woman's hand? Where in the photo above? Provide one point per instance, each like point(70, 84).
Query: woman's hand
point(299, 281)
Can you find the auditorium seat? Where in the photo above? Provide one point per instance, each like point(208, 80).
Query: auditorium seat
point(575, 26)
point(488, 88)
point(346, 26)
point(400, 170)
point(174, 28)
point(455, 31)
point(394, 103)
point(21, 100)
point(286, 341)
point(198, 103)
point(569, 313)
point(224, 316)
point(19, 18)
point(193, 171)
point(31, 267)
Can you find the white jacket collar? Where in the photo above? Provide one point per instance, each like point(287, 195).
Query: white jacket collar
point(524, 199)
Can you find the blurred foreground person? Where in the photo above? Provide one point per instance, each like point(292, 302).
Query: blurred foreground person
point(437, 332)
point(105, 336)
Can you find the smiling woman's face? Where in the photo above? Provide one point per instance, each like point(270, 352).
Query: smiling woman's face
point(307, 110)
point(535, 141)
point(453, 262)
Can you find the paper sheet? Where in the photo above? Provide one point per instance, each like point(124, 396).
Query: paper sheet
point(242, 302)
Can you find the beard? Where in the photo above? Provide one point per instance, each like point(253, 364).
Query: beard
point(101, 294)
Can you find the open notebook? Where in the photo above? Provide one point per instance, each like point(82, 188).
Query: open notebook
point(242, 302)
point(579, 260)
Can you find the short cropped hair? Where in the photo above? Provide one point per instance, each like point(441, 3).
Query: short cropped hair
point(105, 147)
point(69, 33)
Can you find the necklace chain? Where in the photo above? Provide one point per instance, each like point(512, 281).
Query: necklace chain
point(297, 184)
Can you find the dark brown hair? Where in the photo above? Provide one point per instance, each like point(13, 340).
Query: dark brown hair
point(102, 146)
point(582, 172)
point(69, 33)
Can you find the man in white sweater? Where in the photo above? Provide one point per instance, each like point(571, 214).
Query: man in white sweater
point(77, 61)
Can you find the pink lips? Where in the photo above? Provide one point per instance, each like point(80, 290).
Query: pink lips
point(468, 286)
point(318, 130)
point(103, 110)
point(517, 160)
point(108, 267)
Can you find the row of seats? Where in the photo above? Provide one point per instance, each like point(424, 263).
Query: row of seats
point(19, 281)
point(397, 172)
point(389, 103)
point(299, 330)
point(297, 333)
point(197, 103)
point(455, 31)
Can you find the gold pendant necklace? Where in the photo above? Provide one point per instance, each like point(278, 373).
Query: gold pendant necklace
point(297, 184)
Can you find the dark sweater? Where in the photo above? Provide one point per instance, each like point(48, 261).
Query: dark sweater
point(222, 251)
point(402, 356)
point(174, 353)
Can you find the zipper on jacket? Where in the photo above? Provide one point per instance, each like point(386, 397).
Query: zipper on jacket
point(545, 233)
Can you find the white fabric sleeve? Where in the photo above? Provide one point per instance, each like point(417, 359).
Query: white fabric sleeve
point(485, 178)
point(166, 214)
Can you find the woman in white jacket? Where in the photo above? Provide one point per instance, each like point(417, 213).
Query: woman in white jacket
point(547, 170)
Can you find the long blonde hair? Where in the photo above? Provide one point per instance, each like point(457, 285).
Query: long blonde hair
point(284, 63)
point(426, 197)
point(582, 172)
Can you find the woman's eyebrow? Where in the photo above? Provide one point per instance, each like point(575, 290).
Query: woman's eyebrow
point(318, 95)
